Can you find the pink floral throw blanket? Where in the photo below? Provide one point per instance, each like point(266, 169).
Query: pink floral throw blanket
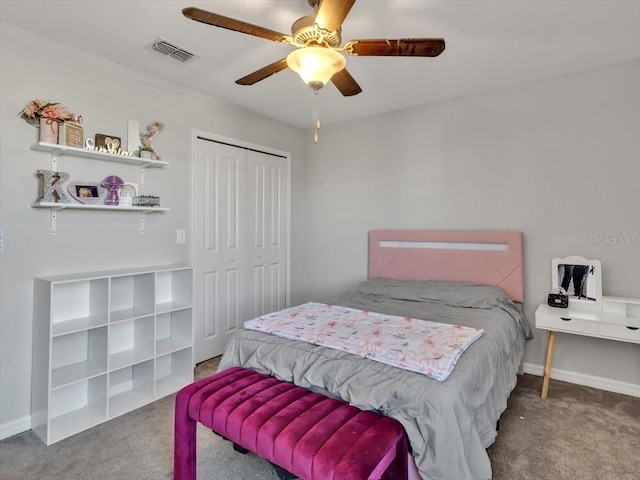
point(420, 346)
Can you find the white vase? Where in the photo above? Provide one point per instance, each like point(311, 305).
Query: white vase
point(49, 130)
point(145, 154)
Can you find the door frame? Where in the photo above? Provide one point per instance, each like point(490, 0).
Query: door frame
point(195, 134)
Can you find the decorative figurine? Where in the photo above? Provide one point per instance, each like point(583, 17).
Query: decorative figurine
point(113, 183)
point(146, 150)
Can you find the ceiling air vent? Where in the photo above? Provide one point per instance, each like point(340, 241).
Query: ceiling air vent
point(169, 49)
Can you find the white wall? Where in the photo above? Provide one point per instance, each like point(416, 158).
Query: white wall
point(558, 159)
point(107, 95)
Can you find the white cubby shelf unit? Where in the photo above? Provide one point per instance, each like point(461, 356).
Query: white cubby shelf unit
point(106, 343)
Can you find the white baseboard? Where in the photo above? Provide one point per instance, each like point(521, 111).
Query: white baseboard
point(601, 383)
point(13, 427)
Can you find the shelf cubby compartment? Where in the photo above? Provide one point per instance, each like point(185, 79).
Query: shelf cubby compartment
point(132, 296)
point(79, 305)
point(173, 371)
point(131, 342)
point(77, 407)
point(130, 388)
point(78, 356)
point(173, 290)
point(173, 331)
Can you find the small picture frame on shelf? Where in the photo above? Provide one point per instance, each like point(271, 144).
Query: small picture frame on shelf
point(103, 140)
point(85, 192)
point(71, 134)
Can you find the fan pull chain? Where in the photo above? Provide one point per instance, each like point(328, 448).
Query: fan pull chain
point(316, 112)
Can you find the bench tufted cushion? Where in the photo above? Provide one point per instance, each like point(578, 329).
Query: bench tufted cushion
point(308, 434)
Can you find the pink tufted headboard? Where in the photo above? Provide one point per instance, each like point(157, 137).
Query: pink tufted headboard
point(486, 257)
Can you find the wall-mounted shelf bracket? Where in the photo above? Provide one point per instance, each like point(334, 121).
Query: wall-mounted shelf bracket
point(53, 221)
point(54, 217)
point(56, 207)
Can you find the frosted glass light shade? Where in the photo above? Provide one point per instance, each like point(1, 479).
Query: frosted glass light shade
point(316, 65)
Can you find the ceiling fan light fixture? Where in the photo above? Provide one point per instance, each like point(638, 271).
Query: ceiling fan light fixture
point(316, 65)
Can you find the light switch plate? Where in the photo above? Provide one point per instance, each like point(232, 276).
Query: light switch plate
point(181, 237)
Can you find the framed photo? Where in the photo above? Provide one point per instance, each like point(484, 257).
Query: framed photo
point(103, 140)
point(85, 192)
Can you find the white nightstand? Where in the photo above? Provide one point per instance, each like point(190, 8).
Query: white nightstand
point(619, 320)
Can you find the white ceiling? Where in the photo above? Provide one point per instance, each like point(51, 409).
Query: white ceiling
point(489, 44)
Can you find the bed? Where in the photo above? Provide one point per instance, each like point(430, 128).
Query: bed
point(467, 278)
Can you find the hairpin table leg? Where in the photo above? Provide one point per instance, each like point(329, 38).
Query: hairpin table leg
point(547, 365)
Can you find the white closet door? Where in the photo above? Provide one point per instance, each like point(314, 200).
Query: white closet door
point(221, 288)
point(266, 194)
point(240, 246)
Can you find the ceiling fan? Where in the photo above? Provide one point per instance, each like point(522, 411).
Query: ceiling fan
point(317, 40)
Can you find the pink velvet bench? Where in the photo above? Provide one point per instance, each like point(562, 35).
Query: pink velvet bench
point(308, 434)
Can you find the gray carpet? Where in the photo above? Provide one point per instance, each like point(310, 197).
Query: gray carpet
point(577, 433)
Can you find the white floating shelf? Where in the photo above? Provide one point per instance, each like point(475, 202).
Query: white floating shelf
point(56, 207)
point(82, 206)
point(57, 150)
point(83, 152)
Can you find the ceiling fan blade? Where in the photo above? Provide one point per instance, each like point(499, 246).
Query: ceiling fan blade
point(345, 83)
point(405, 47)
point(332, 13)
point(216, 20)
point(263, 73)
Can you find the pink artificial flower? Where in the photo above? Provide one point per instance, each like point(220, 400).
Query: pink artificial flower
point(36, 109)
point(31, 108)
point(50, 112)
point(149, 134)
point(63, 112)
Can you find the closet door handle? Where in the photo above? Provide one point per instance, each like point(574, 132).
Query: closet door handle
point(565, 319)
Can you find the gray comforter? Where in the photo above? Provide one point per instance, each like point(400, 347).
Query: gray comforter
point(451, 423)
